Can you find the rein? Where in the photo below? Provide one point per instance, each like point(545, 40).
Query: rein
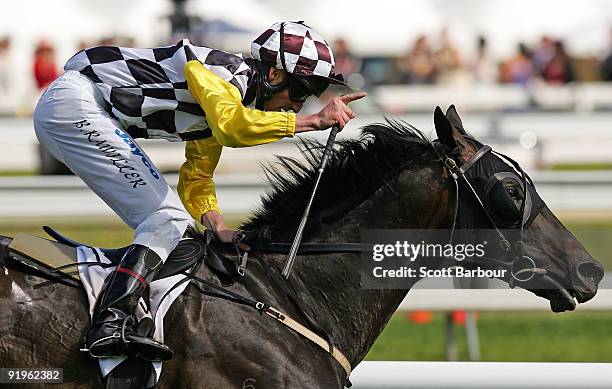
point(310, 248)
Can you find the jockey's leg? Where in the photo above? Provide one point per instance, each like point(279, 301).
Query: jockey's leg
point(70, 121)
point(113, 327)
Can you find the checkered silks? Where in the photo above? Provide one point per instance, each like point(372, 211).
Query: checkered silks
point(146, 90)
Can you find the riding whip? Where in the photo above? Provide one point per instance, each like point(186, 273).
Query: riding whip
point(300, 231)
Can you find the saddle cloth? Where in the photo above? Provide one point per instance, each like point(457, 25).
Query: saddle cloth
point(162, 293)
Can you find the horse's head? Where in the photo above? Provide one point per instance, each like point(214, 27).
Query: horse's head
point(541, 255)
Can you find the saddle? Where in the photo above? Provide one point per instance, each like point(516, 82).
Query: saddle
point(57, 260)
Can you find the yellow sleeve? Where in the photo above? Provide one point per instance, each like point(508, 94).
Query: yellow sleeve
point(196, 187)
point(233, 124)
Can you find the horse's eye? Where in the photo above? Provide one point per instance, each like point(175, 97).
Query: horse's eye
point(512, 192)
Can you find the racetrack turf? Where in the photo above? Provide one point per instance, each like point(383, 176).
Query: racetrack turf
point(504, 337)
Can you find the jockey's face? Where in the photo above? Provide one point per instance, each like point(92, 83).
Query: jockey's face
point(280, 101)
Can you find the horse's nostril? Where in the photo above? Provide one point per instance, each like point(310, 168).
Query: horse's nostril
point(590, 271)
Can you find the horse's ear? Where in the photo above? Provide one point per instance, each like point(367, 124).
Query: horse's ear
point(444, 129)
point(454, 119)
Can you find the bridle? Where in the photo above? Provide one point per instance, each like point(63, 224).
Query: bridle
point(522, 268)
point(458, 174)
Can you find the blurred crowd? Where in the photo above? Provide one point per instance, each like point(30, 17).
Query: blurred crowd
point(439, 61)
point(428, 60)
point(43, 70)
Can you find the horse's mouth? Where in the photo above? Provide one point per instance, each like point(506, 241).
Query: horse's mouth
point(584, 281)
point(562, 300)
point(564, 289)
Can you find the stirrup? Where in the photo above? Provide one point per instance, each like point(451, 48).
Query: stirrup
point(115, 335)
point(130, 345)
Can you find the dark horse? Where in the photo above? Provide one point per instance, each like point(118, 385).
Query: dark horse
point(389, 178)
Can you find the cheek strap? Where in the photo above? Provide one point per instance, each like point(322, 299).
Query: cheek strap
point(265, 90)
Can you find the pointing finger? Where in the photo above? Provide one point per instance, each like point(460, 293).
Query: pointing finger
point(352, 97)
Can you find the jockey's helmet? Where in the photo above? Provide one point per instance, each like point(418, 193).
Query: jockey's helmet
point(302, 53)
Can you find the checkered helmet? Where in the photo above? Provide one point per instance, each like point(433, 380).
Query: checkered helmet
point(298, 49)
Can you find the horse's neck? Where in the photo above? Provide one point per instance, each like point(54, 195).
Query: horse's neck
point(330, 286)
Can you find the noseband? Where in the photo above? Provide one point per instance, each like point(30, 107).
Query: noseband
point(516, 267)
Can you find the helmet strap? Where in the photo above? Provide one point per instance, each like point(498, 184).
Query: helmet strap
point(266, 90)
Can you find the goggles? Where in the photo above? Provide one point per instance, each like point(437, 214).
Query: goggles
point(301, 88)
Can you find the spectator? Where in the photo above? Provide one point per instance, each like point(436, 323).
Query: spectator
point(346, 63)
point(543, 54)
point(128, 41)
point(559, 69)
point(107, 41)
point(82, 45)
point(606, 65)
point(483, 69)
point(518, 69)
point(5, 70)
point(448, 62)
point(45, 70)
point(419, 66)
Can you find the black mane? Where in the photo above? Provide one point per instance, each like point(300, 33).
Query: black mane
point(355, 170)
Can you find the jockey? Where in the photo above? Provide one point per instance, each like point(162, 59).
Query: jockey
point(108, 96)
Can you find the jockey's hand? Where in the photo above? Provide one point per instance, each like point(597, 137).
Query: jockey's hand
point(228, 236)
point(225, 235)
point(213, 220)
point(336, 112)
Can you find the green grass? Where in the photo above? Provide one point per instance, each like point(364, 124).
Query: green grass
point(17, 173)
point(581, 166)
point(101, 232)
point(504, 337)
point(596, 237)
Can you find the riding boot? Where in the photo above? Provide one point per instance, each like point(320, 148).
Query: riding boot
point(113, 331)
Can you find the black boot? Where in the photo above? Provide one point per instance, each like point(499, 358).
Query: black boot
point(113, 331)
